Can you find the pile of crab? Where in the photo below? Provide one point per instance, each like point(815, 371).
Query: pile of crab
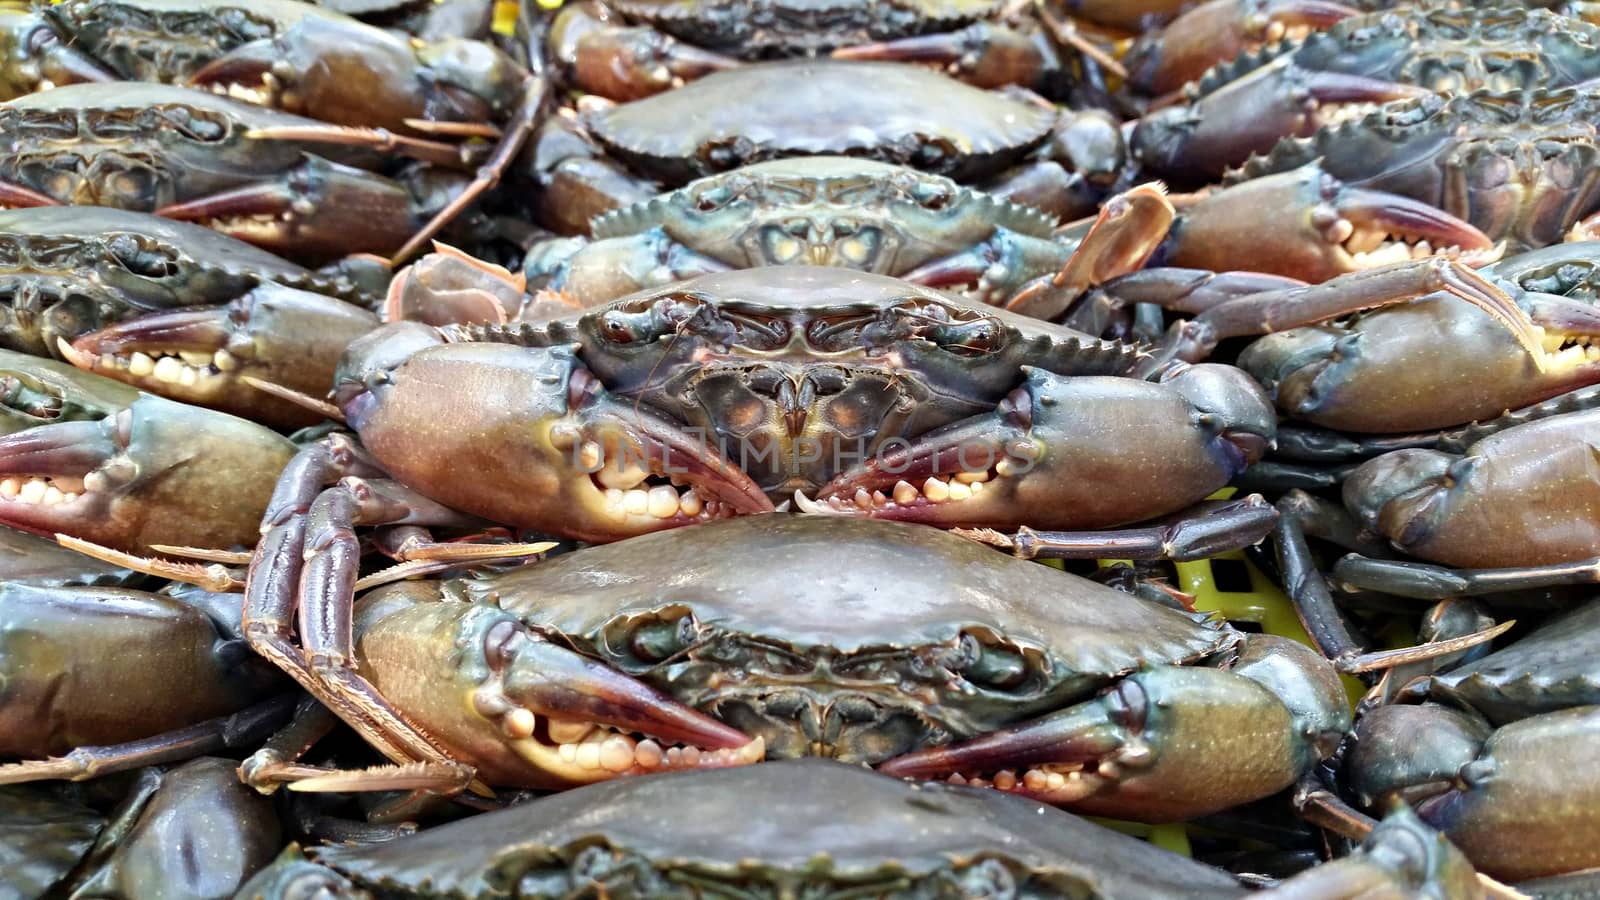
point(1170, 413)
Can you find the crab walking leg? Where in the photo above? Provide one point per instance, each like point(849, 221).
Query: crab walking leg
point(1422, 581)
point(1069, 453)
point(242, 729)
point(1164, 744)
point(1206, 530)
point(326, 585)
point(1365, 289)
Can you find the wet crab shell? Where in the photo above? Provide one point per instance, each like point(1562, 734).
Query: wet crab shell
point(778, 829)
point(894, 113)
point(761, 29)
point(923, 635)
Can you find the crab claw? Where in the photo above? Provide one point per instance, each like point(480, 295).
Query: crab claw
point(1309, 225)
point(634, 63)
point(1251, 114)
point(319, 210)
point(1219, 30)
point(537, 714)
point(275, 334)
point(979, 54)
point(156, 472)
point(551, 446)
point(1067, 453)
point(1129, 752)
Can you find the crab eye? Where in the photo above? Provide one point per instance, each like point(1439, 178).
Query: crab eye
point(712, 198)
point(143, 257)
point(932, 196)
point(662, 639)
point(621, 328)
point(967, 338)
point(992, 666)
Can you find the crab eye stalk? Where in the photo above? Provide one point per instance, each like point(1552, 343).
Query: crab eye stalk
point(661, 639)
point(966, 338)
point(992, 666)
point(143, 257)
point(623, 328)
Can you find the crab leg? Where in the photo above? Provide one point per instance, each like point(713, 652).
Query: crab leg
point(1250, 115)
point(1128, 753)
point(1386, 285)
point(242, 729)
point(1206, 531)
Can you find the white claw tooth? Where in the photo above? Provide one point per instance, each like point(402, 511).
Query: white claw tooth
point(1035, 779)
point(94, 481)
point(196, 358)
point(69, 496)
point(614, 499)
point(10, 487)
point(108, 361)
point(32, 492)
point(975, 487)
point(569, 752)
point(690, 504)
point(1005, 779)
point(616, 753)
point(621, 477)
point(1004, 468)
point(140, 364)
point(663, 501)
point(589, 456)
point(863, 499)
point(188, 376)
point(905, 492)
point(648, 754)
point(589, 754)
point(52, 494)
point(691, 756)
point(879, 500)
point(959, 491)
point(935, 490)
point(168, 369)
point(224, 361)
point(636, 502)
point(972, 477)
point(674, 756)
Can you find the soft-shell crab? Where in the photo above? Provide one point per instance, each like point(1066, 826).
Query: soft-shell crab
point(863, 641)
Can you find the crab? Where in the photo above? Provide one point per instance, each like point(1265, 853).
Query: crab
point(725, 394)
point(930, 230)
point(884, 111)
point(832, 830)
point(190, 154)
point(1338, 76)
point(875, 642)
point(628, 49)
point(1475, 749)
point(66, 271)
